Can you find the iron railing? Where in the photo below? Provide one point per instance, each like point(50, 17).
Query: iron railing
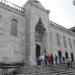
point(12, 5)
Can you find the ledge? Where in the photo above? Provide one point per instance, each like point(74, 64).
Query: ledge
point(17, 9)
point(12, 65)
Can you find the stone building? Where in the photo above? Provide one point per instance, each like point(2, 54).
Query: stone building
point(27, 32)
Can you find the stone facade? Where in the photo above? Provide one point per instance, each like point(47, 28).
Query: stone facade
point(10, 45)
point(63, 32)
point(33, 28)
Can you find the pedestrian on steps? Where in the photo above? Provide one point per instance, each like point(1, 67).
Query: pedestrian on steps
point(49, 59)
point(71, 61)
point(56, 59)
point(68, 62)
point(38, 60)
point(46, 59)
point(42, 59)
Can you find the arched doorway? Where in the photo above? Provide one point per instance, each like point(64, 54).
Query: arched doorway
point(37, 50)
point(39, 36)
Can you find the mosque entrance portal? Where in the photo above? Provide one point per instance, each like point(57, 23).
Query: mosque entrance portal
point(39, 35)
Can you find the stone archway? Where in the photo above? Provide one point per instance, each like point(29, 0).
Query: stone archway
point(39, 34)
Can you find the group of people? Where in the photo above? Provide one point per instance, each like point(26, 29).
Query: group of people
point(44, 59)
point(49, 60)
point(59, 60)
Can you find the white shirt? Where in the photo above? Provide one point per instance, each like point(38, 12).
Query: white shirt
point(42, 57)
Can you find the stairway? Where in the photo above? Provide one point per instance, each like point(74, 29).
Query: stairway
point(44, 70)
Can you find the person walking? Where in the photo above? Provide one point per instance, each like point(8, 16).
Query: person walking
point(46, 59)
point(38, 60)
point(42, 59)
point(68, 62)
point(49, 59)
point(71, 61)
point(56, 59)
point(63, 60)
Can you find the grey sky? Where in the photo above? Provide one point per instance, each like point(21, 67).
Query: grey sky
point(61, 11)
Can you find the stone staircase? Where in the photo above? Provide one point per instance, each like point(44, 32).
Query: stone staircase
point(44, 70)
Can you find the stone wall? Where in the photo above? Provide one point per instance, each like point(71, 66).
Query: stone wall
point(55, 29)
point(12, 48)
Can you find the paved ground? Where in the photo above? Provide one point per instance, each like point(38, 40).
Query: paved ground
point(44, 70)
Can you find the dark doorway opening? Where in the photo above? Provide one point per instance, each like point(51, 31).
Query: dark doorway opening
point(66, 55)
point(37, 50)
point(72, 57)
point(60, 56)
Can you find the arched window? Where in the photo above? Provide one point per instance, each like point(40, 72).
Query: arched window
point(39, 31)
point(74, 42)
point(70, 43)
point(64, 40)
point(0, 16)
point(58, 39)
point(14, 27)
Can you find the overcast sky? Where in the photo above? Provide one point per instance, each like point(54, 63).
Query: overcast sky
point(61, 11)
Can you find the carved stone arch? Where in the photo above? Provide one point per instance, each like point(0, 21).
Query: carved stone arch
point(40, 26)
point(39, 37)
point(39, 30)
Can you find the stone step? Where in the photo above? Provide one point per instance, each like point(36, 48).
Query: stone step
point(45, 70)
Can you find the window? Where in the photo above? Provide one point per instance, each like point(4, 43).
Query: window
point(0, 16)
point(64, 40)
point(58, 39)
point(74, 42)
point(70, 43)
point(14, 27)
